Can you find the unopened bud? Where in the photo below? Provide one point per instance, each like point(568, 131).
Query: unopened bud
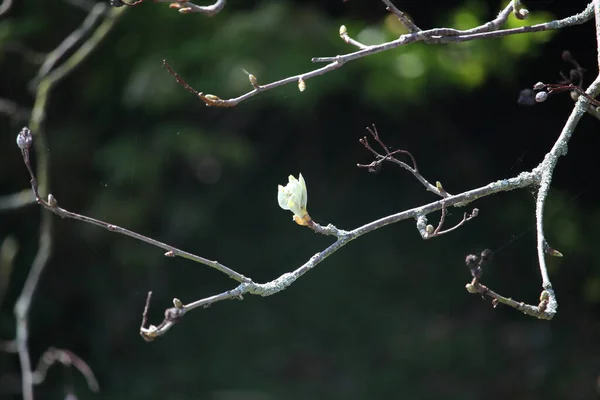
point(541, 96)
point(52, 200)
point(24, 138)
point(343, 30)
point(253, 80)
point(523, 13)
point(539, 86)
point(471, 260)
point(177, 303)
point(301, 85)
point(486, 255)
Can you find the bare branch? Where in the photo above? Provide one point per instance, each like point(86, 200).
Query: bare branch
point(438, 35)
point(212, 100)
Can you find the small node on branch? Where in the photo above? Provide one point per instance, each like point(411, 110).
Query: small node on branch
point(169, 254)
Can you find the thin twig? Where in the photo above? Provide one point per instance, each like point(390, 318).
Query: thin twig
point(390, 156)
point(52, 205)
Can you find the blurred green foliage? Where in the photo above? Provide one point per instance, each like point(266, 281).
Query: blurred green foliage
point(385, 317)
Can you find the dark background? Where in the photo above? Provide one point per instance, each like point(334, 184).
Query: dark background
point(385, 317)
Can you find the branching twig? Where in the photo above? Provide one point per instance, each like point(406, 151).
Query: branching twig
point(437, 35)
point(431, 232)
point(475, 265)
point(390, 156)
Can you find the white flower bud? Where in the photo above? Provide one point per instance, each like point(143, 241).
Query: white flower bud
point(294, 197)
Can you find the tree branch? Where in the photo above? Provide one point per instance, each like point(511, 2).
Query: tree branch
point(437, 35)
